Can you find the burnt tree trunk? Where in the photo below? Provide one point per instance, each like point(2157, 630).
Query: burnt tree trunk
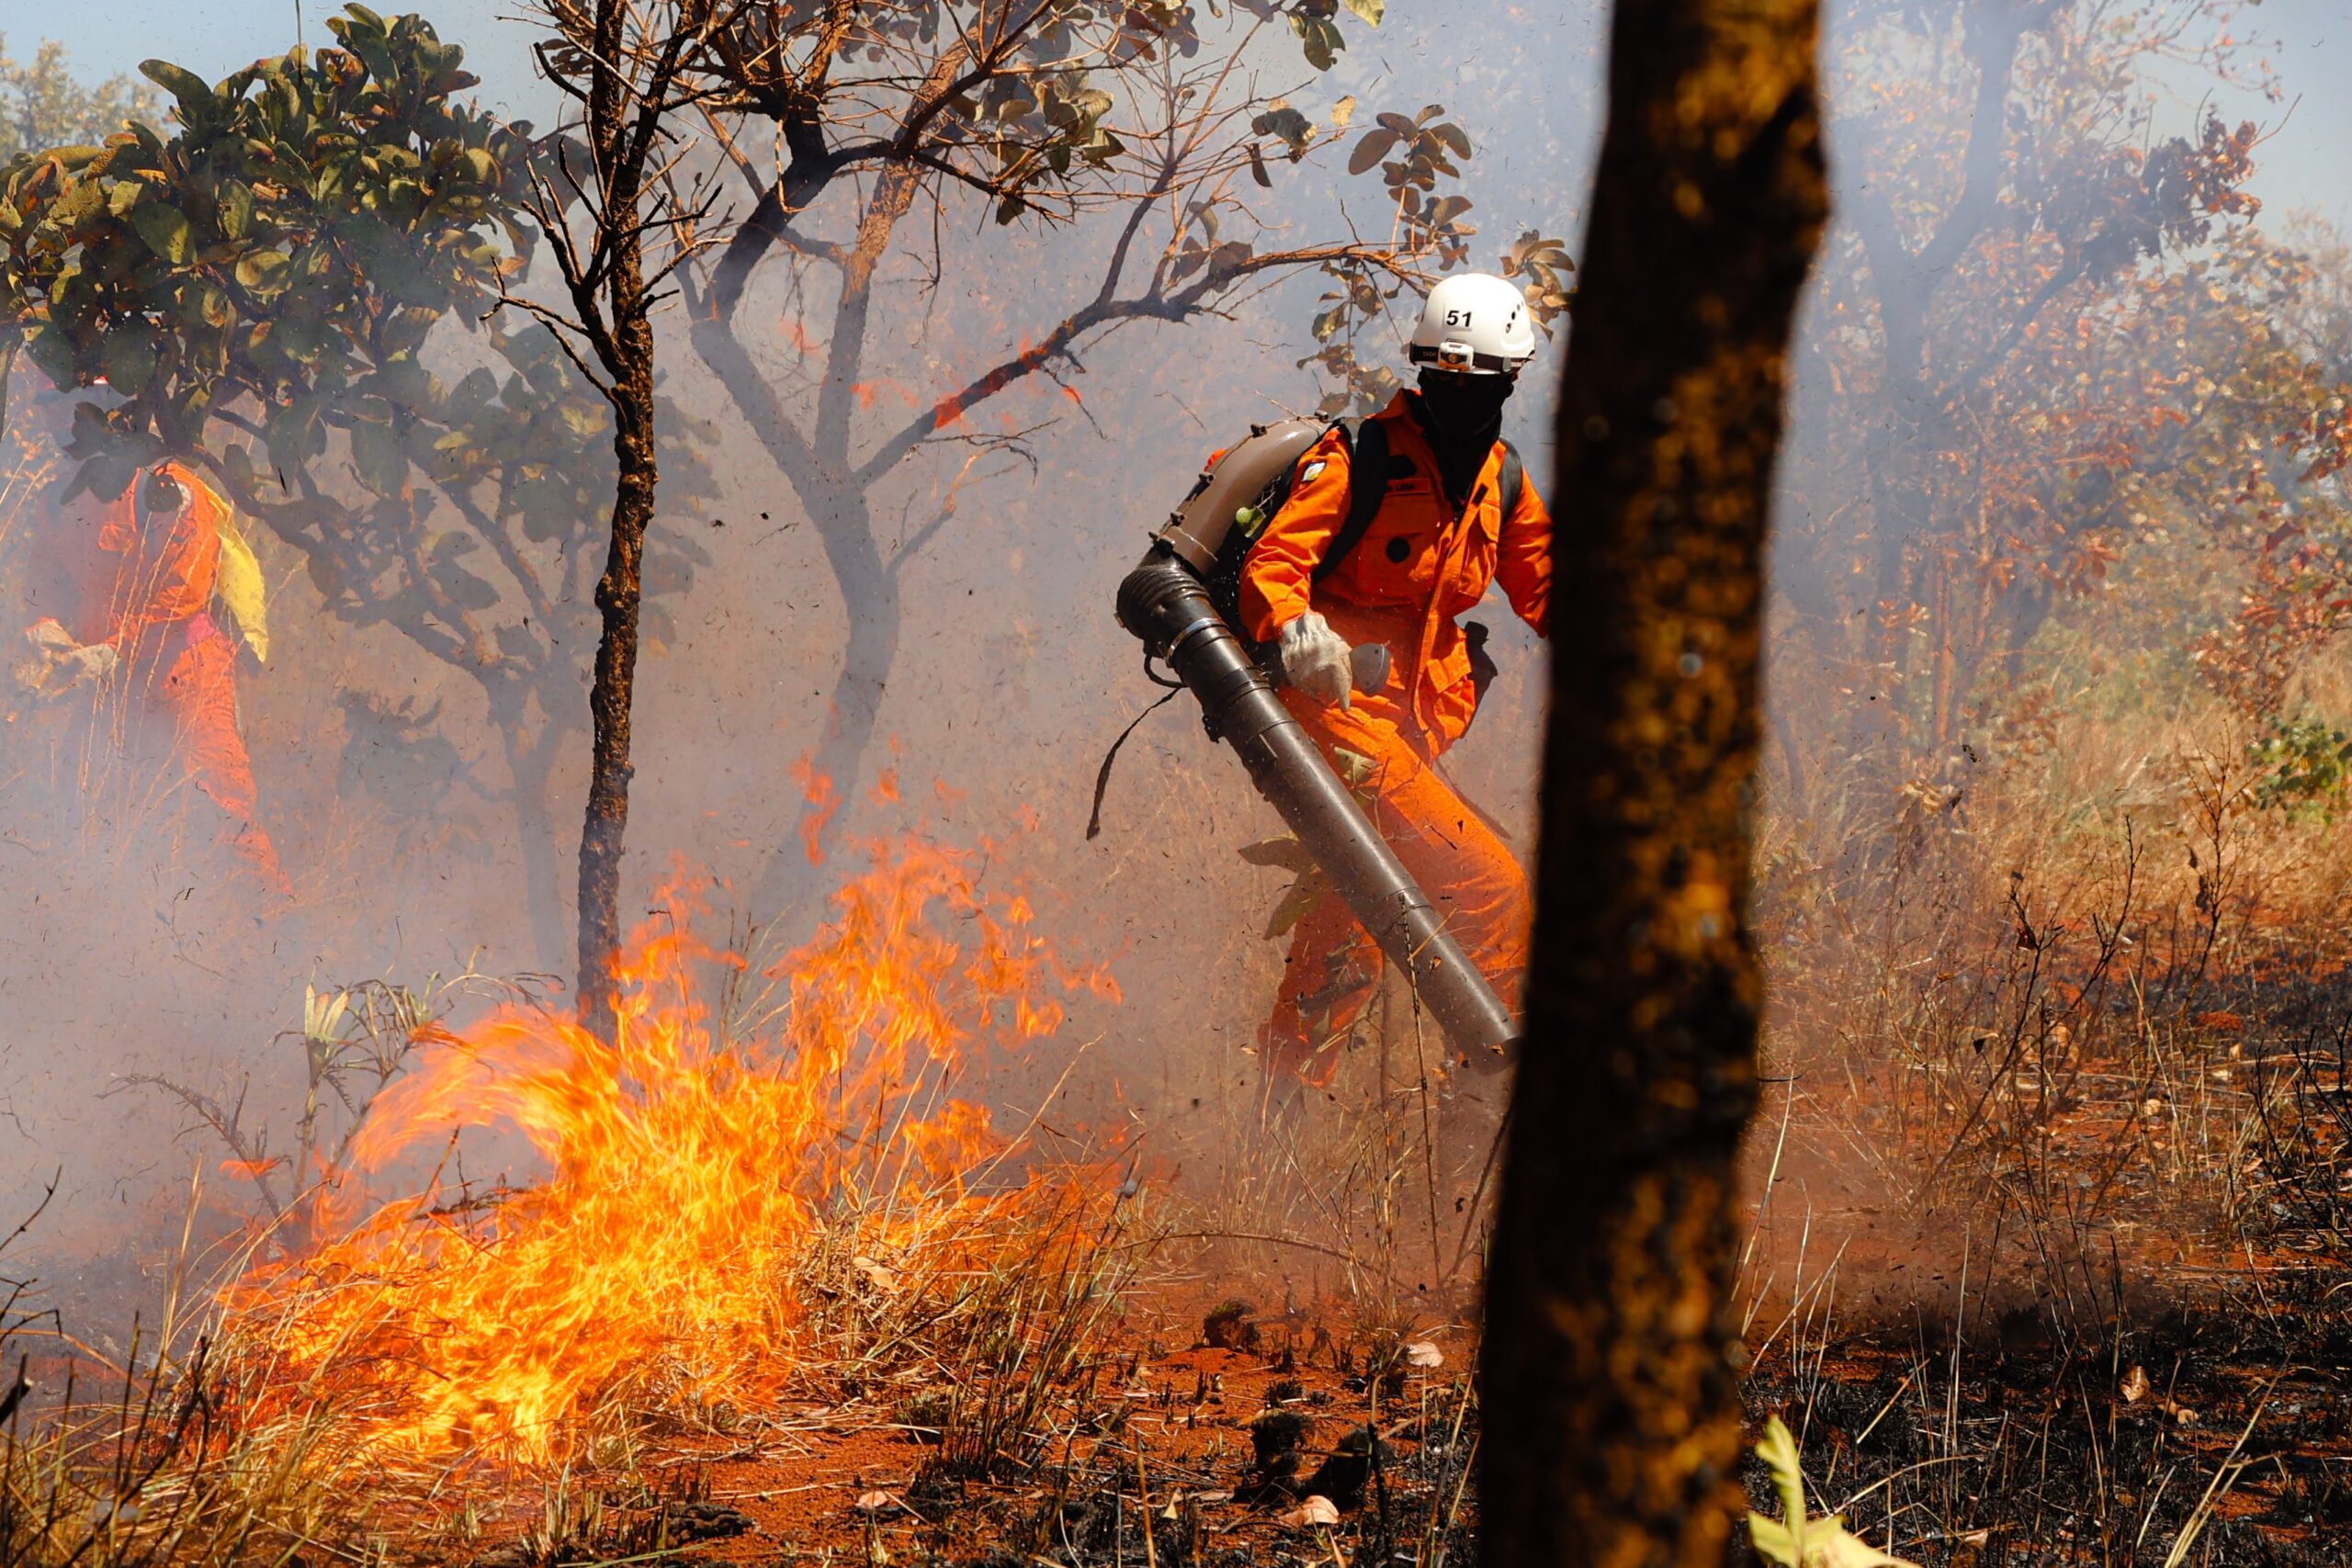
point(1609, 1359)
point(619, 149)
point(619, 592)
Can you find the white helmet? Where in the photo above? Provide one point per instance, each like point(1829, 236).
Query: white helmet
point(1476, 322)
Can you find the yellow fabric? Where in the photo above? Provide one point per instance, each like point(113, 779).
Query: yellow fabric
point(241, 591)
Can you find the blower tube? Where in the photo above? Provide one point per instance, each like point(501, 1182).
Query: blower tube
point(1165, 604)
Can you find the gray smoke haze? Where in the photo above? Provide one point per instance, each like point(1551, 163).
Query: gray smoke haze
point(137, 954)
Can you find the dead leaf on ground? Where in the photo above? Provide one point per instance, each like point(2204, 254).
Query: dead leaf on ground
point(1316, 1510)
point(1421, 1353)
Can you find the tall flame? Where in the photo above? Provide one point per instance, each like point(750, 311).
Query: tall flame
point(702, 1174)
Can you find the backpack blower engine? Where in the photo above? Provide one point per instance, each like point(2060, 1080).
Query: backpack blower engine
point(1182, 601)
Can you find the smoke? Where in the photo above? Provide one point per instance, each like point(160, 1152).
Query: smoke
point(148, 981)
point(383, 774)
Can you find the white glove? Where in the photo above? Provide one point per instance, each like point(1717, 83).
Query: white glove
point(58, 663)
point(1316, 659)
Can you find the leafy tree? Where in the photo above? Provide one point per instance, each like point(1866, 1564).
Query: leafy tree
point(1127, 135)
point(41, 105)
point(2270, 325)
point(268, 291)
point(1608, 1363)
point(2022, 329)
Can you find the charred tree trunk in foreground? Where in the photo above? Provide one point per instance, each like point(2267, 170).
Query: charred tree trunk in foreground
point(1613, 1414)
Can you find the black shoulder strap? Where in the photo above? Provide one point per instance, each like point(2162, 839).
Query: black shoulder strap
point(1514, 480)
point(1367, 441)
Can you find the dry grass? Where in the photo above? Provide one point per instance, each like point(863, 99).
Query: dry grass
point(2052, 1264)
point(2050, 990)
point(1375, 1191)
point(163, 1469)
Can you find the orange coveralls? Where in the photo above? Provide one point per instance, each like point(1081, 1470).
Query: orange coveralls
point(148, 594)
point(1420, 565)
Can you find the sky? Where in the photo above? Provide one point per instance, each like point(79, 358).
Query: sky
point(2302, 166)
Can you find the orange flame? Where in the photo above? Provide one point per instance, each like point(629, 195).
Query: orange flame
point(823, 799)
point(698, 1178)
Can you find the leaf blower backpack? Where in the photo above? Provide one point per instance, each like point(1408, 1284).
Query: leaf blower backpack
point(1225, 513)
point(1221, 519)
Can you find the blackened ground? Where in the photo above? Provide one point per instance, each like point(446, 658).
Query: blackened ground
point(2224, 1421)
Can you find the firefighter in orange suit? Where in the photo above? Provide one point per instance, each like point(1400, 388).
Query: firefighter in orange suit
point(130, 594)
point(1440, 536)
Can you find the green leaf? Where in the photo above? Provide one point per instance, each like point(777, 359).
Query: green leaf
point(1795, 1541)
point(194, 93)
point(1320, 41)
point(1359, 773)
point(1370, 10)
point(236, 209)
point(166, 231)
point(201, 304)
point(237, 463)
point(1778, 1450)
point(1828, 1545)
point(1771, 1541)
point(477, 166)
point(263, 272)
point(127, 356)
point(177, 81)
point(292, 435)
point(1310, 889)
point(1280, 119)
point(376, 454)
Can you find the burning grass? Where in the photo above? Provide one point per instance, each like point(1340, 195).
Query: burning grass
point(764, 1190)
point(771, 1286)
point(758, 1183)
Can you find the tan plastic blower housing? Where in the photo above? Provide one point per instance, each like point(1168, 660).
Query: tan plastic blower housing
point(1197, 529)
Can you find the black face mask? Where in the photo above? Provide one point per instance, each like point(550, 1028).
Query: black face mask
point(1460, 405)
point(1463, 414)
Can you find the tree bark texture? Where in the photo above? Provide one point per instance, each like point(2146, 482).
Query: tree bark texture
point(627, 352)
point(1612, 1424)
